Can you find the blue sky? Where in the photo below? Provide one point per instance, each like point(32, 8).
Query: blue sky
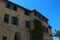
point(49, 8)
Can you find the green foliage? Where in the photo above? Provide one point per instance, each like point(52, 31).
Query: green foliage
point(37, 32)
point(57, 34)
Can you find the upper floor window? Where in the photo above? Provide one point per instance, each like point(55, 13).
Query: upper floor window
point(11, 6)
point(44, 19)
point(8, 5)
point(15, 8)
point(4, 38)
point(39, 16)
point(45, 29)
point(6, 18)
point(27, 12)
point(36, 14)
point(27, 24)
point(14, 20)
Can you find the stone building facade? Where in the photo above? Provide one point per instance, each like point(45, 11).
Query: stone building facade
point(15, 22)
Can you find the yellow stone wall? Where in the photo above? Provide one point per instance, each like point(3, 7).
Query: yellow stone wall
point(9, 29)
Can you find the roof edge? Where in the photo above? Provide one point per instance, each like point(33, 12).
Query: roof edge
point(17, 5)
point(40, 13)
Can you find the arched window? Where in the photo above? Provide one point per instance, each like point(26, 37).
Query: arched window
point(17, 36)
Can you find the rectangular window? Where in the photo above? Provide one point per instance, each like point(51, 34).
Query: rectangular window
point(4, 38)
point(27, 12)
point(45, 29)
point(6, 18)
point(15, 8)
point(11, 6)
point(27, 24)
point(8, 5)
point(36, 14)
point(43, 18)
point(40, 17)
point(46, 20)
point(15, 20)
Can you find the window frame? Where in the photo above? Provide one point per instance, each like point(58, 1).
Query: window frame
point(14, 8)
point(27, 24)
point(14, 20)
point(6, 18)
point(4, 38)
point(11, 6)
point(8, 5)
point(45, 29)
point(26, 12)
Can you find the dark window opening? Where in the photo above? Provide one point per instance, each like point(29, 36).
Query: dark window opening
point(11, 6)
point(8, 5)
point(36, 14)
point(6, 18)
point(15, 21)
point(16, 38)
point(43, 18)
point(45, 29)
point(27, 24)
point(46, 20)
point(4, 38)
point(39, 16)
point(27, 12)
point(15, 8)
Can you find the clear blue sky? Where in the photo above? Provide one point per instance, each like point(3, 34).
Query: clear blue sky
point(49, 8)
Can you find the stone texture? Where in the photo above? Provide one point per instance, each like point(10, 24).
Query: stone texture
point(9, 30)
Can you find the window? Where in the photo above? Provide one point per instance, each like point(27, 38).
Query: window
point(36, 14)
point(6, 18)
point(4, 38)
point(11, 6)
point(27, 24)
point(40, 17)
point(17, 36)
point(43, 18)
point(15, 20)
point(46, 20)
point(45, 29)
point(15, 8)
point(8, 5)
point(27, 12)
